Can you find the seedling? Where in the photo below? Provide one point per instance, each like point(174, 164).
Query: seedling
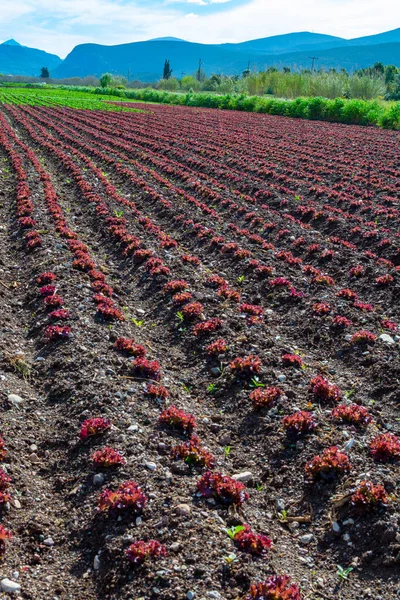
point(227, 450)
point(137, 323)
point(231, 559)
point(240, 279)
point(282, 516)
point(212, 388)
point(233, 531)
point(180, 316)
point(348, 393)
point(256, 383)
point(342, 573)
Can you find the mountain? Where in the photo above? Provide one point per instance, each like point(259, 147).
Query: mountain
point(290, 42)
point(387, 37)
point(21, 60)
point(166, 39)
point(349, 57)
point(145, 60)
point(10, 43)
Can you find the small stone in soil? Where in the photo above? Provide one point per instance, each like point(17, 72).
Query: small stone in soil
point(14, 399)
point(243, 477)
point(49, 542)
point(306, 539)
point(183, 510)
point(10, 587)
point(98, 479)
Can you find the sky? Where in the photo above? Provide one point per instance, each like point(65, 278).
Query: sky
point(58, 25)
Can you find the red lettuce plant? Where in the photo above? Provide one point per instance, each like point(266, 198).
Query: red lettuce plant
point(249, 365)
point(253, 543)
point(321, 308)
point(299, 424)
point(347, 294)
point(325, 466)
point(55, 332)
point(262, 397)
point(176, 285)
point(324, 390)
point(103, 288)
point(157, 391)
point(322, 279)
point(181, 298)
point(357, 271)
point(47, 290)
point(252, 309)
point(192, 311)
point(178, 419)
point(5, 534)
point(193, 453)
point(129, 347)
point(94, 426)
point(292, 360)
point(385, 447)
point(59, 315)
point(5, 481)
point(53, 301)
point(280, 282)
point(218, 347)
point(341, 322)
point(146, 369)
point(364, 306)
point(368, 496)
point(354, 414)
point(384, 280)
point(225, 291)
point(45, 278)
point(362, 337)
point(390, 325)
point(139, 552)
point(207, 327)
point(108, 457)
point(276, 587)
point(108, 312)
point(191, 260)
point(223, 488)
point(128, 496)
point(3, 449)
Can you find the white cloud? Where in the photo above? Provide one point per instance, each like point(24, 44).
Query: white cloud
point(56, 26)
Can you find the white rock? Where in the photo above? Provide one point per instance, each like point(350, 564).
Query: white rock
point(151, 466)
point(214, 594)
point(14, 399)
point(348, 445)
point(49, 542)
point(306, 539)
point(243, 477)
point(10, 587)
point(387, 339)
point(98, 479)
point(336, 527)
point(190, 595)
point(183, 509)
point(96, 562)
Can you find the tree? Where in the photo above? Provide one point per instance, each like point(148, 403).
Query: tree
point(106, 80)
point(167, 70)
point(44, 73)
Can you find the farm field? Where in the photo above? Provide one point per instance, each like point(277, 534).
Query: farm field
point(199, 349)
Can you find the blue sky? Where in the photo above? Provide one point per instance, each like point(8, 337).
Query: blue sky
point(58, 25)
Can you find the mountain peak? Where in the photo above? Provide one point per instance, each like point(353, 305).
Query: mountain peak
point(10, 43)
point(166, 39)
